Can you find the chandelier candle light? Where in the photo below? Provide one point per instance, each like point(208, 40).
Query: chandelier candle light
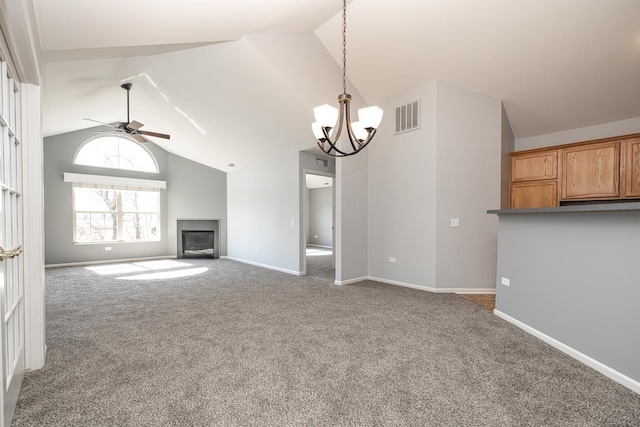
point(361, 132)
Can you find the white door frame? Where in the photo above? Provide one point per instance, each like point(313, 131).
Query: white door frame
point(304, 220)
point(15, 20)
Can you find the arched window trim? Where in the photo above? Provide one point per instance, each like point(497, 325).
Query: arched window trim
point(123, 137)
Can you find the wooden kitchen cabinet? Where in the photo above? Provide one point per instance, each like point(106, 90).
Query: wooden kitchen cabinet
point(535, 166)
point(604, 169)
point(591, 171)
point(632, 166)
point(534, 195)
point(534, 179)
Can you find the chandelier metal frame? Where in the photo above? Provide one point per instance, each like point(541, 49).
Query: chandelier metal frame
point(359, 133)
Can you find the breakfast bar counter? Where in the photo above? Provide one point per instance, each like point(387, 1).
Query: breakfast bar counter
point(571, 276)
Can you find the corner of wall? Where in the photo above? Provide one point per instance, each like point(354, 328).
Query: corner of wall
point(508, 146)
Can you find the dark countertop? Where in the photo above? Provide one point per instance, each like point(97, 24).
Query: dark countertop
point(585, 208)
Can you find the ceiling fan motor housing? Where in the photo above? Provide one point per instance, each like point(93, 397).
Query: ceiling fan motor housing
point(133, 127)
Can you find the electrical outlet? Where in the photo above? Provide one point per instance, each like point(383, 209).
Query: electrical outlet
point(455, 222)
point(392, 259)
point(505, 281)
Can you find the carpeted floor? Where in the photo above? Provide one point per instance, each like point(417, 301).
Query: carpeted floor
point(216, 342)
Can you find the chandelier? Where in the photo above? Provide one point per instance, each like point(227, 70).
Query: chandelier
point(361, 132)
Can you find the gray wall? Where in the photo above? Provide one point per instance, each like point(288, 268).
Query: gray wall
point(195, 191)
point(508, 146)
point(419, 180)
point(468, 170)
point(574, 277)
point(351, 245)
point(264, 211)
point(320, 216)
point(402, 194)
point(604, 130)
point(183, 197)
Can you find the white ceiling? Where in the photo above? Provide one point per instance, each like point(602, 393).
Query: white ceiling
point(236, 82)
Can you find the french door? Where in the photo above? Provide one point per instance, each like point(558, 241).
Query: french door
point(12, 304)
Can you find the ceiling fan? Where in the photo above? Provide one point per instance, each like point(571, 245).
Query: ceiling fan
point(132, 127)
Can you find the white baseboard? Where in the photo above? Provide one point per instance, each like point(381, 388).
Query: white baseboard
point(435, 290)
point(470, 291)
point(109, 261)
point(350, 281)
point(269, 267)
point(581, 357)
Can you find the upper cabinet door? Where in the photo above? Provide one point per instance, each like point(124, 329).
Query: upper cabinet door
point(632, 187)
point(534, 166)
point(536, 194)
point(591, 171)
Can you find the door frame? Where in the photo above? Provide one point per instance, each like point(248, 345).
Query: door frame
point(304, 220)
point(20, 53)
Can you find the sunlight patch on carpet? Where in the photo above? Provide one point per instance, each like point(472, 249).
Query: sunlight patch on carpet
point(318, 252)
point(166, 274)
point(144, 266)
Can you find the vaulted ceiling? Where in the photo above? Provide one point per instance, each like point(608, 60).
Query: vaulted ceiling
point(236, 82)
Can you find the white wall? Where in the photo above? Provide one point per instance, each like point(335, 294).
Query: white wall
point(604, 130)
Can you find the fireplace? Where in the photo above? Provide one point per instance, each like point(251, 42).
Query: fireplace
point(198, 238)
point(197, 243)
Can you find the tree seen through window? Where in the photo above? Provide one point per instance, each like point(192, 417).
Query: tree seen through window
point(109, 213)
point(103, 215)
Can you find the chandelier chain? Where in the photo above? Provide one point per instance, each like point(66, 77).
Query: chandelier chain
point(331, 121)
point(344, 47)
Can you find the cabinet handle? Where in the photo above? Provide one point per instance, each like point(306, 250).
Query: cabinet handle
point(10, 253)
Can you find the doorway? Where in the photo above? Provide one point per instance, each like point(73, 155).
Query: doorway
point(319, 227)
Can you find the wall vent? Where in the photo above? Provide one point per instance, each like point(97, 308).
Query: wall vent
point(323, 163)
point(408, 117)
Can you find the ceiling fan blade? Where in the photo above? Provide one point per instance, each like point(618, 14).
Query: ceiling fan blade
point(135, 125)
point(156, 134)
point(139, 137)
point(98, 121)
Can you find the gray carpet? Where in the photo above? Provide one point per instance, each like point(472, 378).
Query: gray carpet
point(240, 345)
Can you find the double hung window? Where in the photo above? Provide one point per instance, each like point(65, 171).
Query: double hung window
point(112, 214)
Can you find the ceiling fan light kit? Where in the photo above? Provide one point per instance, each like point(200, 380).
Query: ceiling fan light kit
point(133, 127)
point(359, 133)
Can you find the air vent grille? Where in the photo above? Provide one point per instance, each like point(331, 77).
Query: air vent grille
point(323, 163)
point(408, 117)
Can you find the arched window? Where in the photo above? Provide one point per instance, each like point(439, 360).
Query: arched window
point(116, 152)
